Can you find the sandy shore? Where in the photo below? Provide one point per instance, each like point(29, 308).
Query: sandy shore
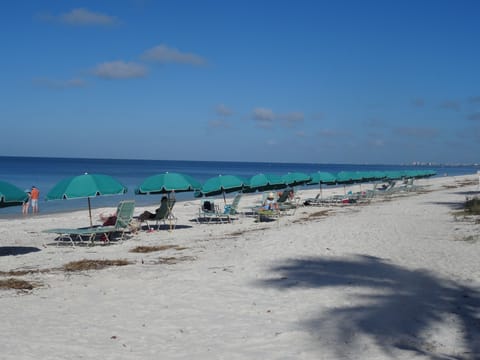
point(398, 278)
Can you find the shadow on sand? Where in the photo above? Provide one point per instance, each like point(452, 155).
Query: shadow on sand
point(17, 250)
point(396, 308)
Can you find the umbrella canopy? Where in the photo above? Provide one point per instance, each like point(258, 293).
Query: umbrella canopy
point(296, 178)
point(348, 177)
point(10, 195)
point(166, 183)
point(265, 182)
point(394, 175)
point(86, 186)
point(321, 177)
point(222, 184)
point(378, 175)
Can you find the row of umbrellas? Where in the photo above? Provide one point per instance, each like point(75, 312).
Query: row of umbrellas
point(92, 185)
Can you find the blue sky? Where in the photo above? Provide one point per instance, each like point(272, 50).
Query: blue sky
point(289, 81)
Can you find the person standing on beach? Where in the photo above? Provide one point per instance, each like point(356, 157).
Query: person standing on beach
point(34, 195)
point(26, 203)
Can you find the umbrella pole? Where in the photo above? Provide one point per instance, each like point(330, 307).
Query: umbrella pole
point(90, 211)
point(170, 212)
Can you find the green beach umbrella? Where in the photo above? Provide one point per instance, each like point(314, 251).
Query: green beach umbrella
point(86, 186)
point(348, 177)
point(394, 175)
point(296, 178)
point(378, 175)
point(10, 195)
point(322, 177)
point(265, 182)
point(166, 183)
point(222, 184)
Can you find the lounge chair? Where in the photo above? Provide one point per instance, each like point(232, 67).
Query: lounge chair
point(209, 212)
point(122, 225)
point(232, 209)
point(163, 213)
point(263, 214)
point(285, 202)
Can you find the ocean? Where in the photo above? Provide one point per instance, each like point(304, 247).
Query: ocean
point(44, 173)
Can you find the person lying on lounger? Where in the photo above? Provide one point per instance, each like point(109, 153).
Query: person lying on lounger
point(147, 215)
point(108, 220)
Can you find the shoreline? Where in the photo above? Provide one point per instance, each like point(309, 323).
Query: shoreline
point(395, 278)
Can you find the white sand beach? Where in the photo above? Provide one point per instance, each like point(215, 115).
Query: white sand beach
point(397, 278)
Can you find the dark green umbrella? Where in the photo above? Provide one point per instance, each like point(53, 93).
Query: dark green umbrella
point(348, 177)
point(394, 175)
point(296, 178)
point(322, 177)
point(221, 184)
point(265, 182)
point(10, 195)
point(86, 186)
point(166, 183)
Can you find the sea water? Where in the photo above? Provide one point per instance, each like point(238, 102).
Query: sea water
point(44, 173)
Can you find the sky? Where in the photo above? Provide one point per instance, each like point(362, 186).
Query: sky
point(307, 81)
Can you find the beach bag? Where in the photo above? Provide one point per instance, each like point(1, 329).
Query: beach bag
point(207, 205)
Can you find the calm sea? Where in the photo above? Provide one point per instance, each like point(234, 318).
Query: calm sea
point(44, 173)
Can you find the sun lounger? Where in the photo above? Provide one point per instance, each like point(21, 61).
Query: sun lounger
point(162, 214)
point(122, 225)
point(263, 214)
point(210, 213)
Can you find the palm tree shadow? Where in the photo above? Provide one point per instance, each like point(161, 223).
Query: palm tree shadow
point(393, 306)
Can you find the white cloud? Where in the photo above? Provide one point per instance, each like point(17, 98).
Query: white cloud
point(418, 102)
point(331, 133)
point(81, 17)
point(223, 110)
point(450, 105)
point(164, 54)
point(262, 114)
point(119, 70)
point(293, 118)
point(218, 124)
point(475, 116)
point(474, 99)
point(263, 117)
point(377, 143)
point(60, 84)
point(417, 132)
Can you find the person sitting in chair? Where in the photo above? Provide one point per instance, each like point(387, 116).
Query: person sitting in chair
point(147, 215)
point(270, 203)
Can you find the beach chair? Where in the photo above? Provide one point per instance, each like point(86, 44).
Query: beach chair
point(122, 225)
point(313, 201)
point(232, 209)
point(210, 213)
point(263, 214)
point(285, 202)
point(162, 214)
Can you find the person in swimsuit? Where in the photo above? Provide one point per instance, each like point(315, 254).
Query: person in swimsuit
point(34, 196)
point(26, 203)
